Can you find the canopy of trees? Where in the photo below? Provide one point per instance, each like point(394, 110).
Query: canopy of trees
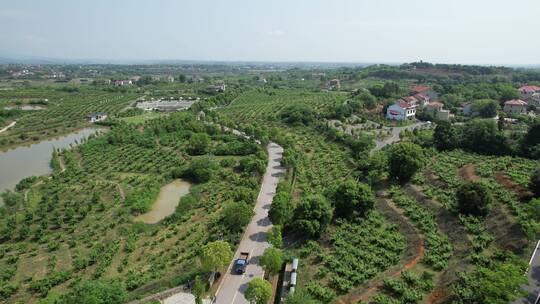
point(282, 208)
point(312, 216)
point(272, 260)
point(215, 255)
point(352, 198)
point(236, 215)
point(297, 114)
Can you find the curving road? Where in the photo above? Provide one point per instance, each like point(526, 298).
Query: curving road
point(233, 286)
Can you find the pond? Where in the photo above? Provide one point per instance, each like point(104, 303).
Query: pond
point(166, 202)
point(34, 160)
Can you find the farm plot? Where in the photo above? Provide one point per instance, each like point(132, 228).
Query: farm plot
point(64, 112)
point(77, 226)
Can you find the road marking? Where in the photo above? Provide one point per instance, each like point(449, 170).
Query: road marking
point(534, 253)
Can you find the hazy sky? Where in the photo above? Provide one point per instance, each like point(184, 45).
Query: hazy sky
point(452, 31)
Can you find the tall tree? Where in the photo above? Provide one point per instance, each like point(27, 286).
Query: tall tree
point(215, 255)
point(274, 236)
point(352, 198)
point(404, 160)
point(272, 260)
point(445, 136)
point(236, 215)
point(282, 208)
point(258, 291)
point(199, 288)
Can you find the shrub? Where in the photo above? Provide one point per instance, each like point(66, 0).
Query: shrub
point(474, 198)
point(534, 184)
point(258, 291)
point(404, 160)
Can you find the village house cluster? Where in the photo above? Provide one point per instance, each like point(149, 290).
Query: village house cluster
point(421, 97)
point(530, 96)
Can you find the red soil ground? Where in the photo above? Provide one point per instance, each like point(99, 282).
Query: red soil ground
point(467, 172)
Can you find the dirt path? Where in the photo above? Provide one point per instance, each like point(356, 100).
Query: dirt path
point(413, 253)
point(467, 172)
point(8, 127)
point(510, 185)
point(450, 225)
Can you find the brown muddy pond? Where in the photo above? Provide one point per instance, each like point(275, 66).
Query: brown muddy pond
point(166, 202)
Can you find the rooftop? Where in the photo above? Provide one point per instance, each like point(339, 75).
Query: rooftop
point(515, 102)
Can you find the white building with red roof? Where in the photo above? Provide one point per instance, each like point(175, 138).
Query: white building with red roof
point(515, 106)
point(426, 91)
point(527, 91)
point(401, 110)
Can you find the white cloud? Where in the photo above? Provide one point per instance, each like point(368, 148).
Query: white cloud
point(276, 33)
point(32, 38)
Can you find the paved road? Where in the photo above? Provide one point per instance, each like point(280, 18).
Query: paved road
point(394, 136)
point(533, 287)
point(233, 286)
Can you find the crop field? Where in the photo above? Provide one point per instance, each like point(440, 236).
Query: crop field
point(78, 224)
point(262, 104)
point(448, 168)
point(62, 111)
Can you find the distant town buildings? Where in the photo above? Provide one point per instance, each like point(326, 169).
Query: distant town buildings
point(219, 86)
point(122, 82)
point(515, 106)
point(99, 116)
point(135, 78)
point(530, 94)
point(334, 84)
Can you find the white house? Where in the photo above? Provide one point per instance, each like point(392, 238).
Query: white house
point(401, 111)
point(515, 106)
point(99, 116)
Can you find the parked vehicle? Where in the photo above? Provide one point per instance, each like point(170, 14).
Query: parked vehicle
point(241, 263)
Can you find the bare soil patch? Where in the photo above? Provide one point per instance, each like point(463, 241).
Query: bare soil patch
point(510, 185)
point(467, 172)
point(506, 230)
point(433, 179)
